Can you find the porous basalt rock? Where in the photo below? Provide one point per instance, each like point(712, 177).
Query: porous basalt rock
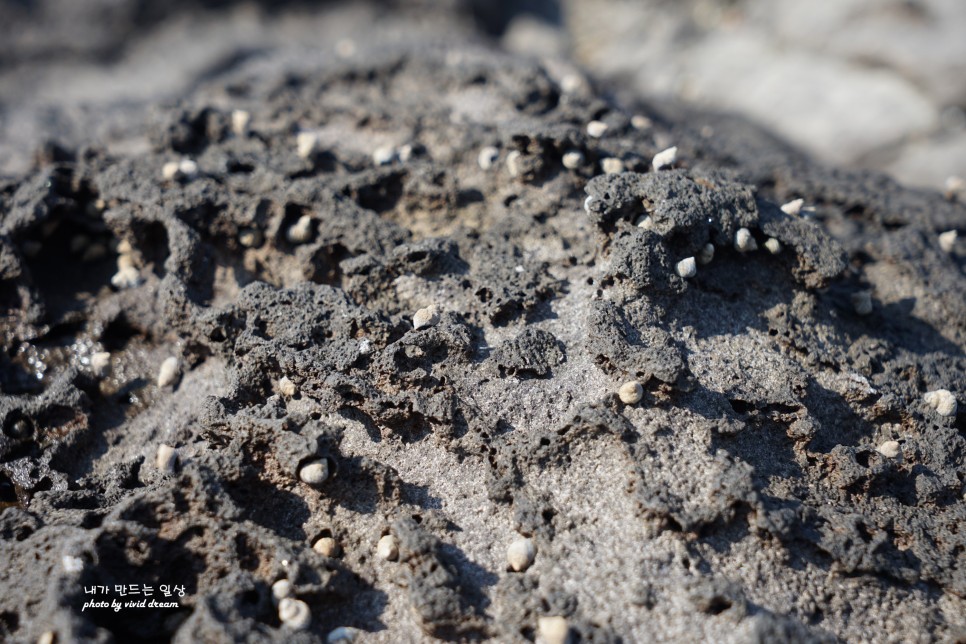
point(745, 485)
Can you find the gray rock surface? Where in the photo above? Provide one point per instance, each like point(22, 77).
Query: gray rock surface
point(743, 499)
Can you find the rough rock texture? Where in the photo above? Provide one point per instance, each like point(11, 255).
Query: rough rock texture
point(743, 499)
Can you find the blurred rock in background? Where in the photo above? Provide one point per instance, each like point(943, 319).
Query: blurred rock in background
point(875, 84)
point(870, 83)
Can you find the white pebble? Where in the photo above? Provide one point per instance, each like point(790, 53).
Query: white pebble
point(513, 163)
point(687, 268)
point(947, 241)
point(954, 186)
point(744, 242)
point(166, 458)
point(641, 122)
point(487, 157)
point(281, 589)
point(793, 207)
point(889, 449)
point(587, 202)
point(573, 159)
point(773, 246)
point(596, 129)
point(301, 231)
point(176, 170)
point(314, 472)
point(388, 548)
point(943, 401)
point(631, 392)
point(126, 278)
point(384, 155)
point(862, 302)
point(239, 122)
point(342, 634)
point(327, 547)
point(425, 317)
point(169, 371)
point(306, 144)
point(47, 637)
point(706, 254)
point(571, 83)
point(72, 564)
point(294, 614)
point(552, 630)
point(665, 158)
point(188, 169)
point(405, 152)
point(520, 554)
point(645, 222)
point(612, 165)
point(250, 238)
point(287, 388)
point(170, 170)
point(124, 261)
point(101, 363)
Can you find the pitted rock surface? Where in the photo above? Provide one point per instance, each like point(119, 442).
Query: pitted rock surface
point(743, 499)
